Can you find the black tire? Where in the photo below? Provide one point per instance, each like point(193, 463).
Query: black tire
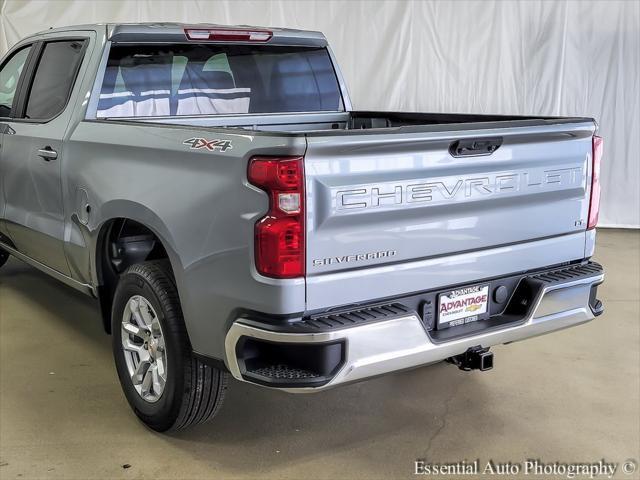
point(4, 256)
point(194, 391)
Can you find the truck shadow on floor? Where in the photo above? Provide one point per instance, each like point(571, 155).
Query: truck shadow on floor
point(64, 304)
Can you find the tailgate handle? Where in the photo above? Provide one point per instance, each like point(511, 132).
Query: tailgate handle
point(475, 146)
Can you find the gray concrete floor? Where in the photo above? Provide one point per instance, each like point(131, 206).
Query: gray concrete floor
point(571, 397)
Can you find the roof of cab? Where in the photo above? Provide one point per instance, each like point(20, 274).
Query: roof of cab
point(175, 32)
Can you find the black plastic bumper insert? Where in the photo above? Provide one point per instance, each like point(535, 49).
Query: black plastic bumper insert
point(289, 365)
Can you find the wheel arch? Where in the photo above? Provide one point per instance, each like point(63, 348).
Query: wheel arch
point(114, 227)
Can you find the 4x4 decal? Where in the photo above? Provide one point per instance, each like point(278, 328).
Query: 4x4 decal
point(198, 143)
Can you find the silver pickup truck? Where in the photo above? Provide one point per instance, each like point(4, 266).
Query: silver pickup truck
point(214, 189)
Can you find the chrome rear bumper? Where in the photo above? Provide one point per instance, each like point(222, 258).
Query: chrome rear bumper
point(401, 343)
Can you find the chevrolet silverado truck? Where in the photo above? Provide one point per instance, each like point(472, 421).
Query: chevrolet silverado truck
point(213, 188)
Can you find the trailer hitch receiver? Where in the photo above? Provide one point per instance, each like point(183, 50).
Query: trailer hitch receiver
point(475, 358)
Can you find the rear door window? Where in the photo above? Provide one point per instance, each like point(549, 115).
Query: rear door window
point(54, 78)
point(179, 80)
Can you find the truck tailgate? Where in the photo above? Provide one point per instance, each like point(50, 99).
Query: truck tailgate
point(403, 207)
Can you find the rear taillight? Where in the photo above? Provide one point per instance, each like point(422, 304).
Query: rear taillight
point(228, 34)
point(594, 203)
point(279, 235)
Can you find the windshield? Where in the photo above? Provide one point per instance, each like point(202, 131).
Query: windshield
point(187, 79)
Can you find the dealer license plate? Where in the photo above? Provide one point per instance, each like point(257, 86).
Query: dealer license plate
point(463, 305)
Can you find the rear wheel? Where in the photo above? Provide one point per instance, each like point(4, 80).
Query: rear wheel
point(4, 256)
point(165, 384)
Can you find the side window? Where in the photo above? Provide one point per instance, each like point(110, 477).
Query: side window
point(54, 79)
point(9, 76)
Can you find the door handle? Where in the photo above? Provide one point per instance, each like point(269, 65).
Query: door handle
point(48, 154)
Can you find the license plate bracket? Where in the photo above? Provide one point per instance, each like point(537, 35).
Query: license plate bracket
point(463, 305)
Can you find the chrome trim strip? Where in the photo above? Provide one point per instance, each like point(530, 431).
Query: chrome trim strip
point(402, 343)
point(82, 287)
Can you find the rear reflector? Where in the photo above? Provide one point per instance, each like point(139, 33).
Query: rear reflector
point(594, 203)
point(279, 235)
point(228, 35)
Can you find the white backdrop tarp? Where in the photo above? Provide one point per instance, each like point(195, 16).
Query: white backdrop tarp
point(514, 57)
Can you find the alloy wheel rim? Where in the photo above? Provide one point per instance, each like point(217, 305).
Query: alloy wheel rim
point(144, 348)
